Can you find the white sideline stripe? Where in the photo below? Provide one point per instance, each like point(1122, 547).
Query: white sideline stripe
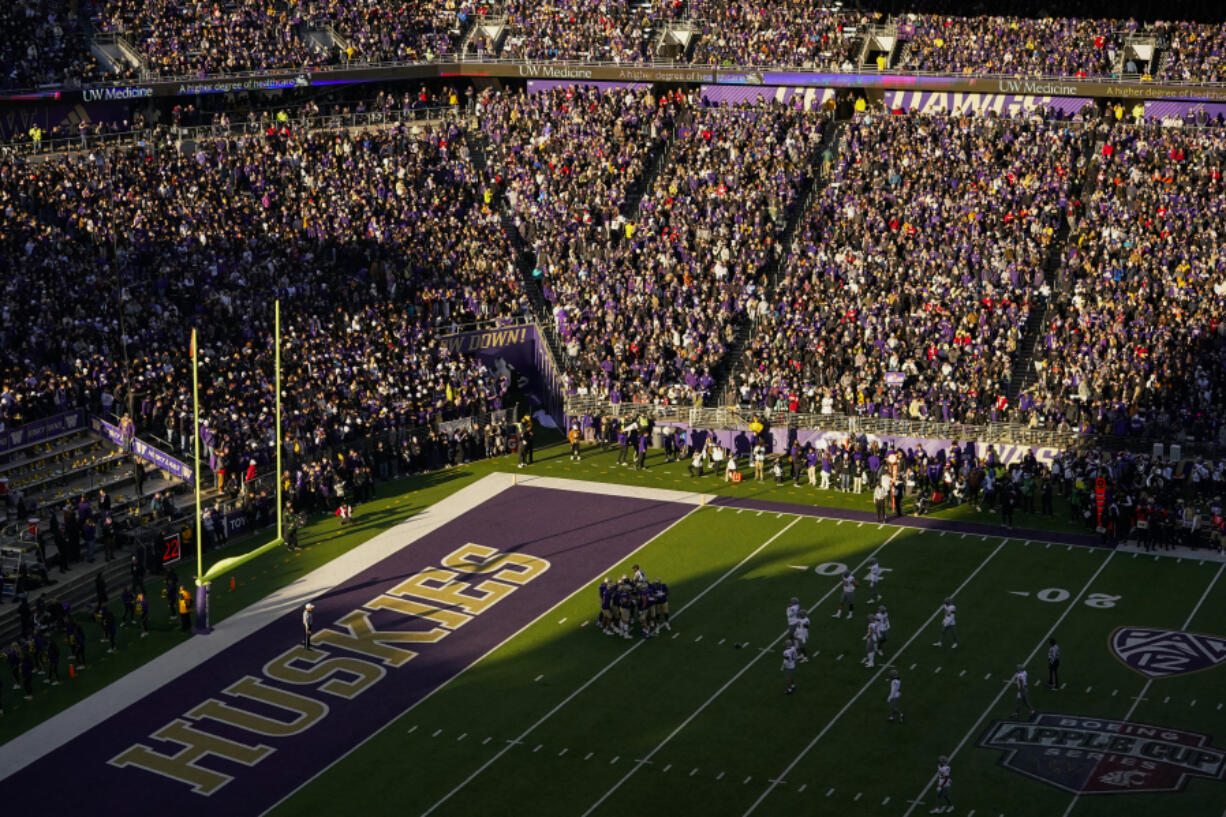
point(868, 685)
point(1149, 681)
point(66, 726)
point(611, 489)
point(996, 700)
point(729, 683)
point(692, 498)
point(497, 477)
point(608, 667)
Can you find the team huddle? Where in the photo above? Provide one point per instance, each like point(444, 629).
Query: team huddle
point(634, 598)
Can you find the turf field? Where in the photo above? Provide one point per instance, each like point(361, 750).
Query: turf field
point(528, 709)
point(562, 720)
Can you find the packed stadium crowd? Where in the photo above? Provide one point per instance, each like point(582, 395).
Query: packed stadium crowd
point(1059, 46)
point(815, 35)
point(906, 293)
point(46, 40)
point(710, 224)
point(42, 42)
point(743, 32)
point(919, 261)
point(1137, 342)
point(198, 38)
point(376, 241)
point(610, 31)
point(376, 31)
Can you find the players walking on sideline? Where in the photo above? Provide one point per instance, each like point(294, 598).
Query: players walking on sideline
point(789, 666)
point(874, 576)
point(1053, 664)
point(1020, 680)
point(895, 696)
point(638, 599)
point(793, 615)
point(849, 596)
point(948, 624)
point(944, 781)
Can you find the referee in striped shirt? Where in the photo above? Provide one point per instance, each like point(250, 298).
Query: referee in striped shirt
point(1053, 664)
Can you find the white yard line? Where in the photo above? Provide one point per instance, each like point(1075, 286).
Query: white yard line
point(727, 684)
point(996, 700)
point(607, 667)
point(869, 685)
point(1140, 697)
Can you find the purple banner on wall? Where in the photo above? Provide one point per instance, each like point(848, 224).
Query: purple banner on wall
point(536, 85)
point(1160, 109)
point(141, 449)
point(1002, 104)
point(40, 430)
point(806, 98)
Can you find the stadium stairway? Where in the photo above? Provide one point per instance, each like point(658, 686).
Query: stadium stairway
point(657, 158)
point(525, 261)
point(1023, 375)
point(808, 192)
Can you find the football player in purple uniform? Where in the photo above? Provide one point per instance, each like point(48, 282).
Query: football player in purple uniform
point(605, 617)
point(660, 599)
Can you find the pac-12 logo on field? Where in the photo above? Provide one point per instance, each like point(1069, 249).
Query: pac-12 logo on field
point(1100, 756)
point(1157, 653)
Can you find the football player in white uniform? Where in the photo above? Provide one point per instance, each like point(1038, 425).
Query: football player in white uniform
point(870, 641)
point(943, 784)
point(849, 598)
point(883, 629)
point(789, 665)
point(793, 615)
point(895, 696)
point(1020, 679)
point(874, 576)
point(949, 624)
point(801, 636)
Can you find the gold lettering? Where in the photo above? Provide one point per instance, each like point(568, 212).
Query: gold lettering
point(473, 558)
point(361, 637)
point(182, 765)
point(307, 709)
point(324, 665)
point(408, 607)
point(448, 592)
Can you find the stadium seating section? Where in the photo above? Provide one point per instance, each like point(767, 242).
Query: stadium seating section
point(48, 41)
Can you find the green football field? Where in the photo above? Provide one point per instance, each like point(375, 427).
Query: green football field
point(562, 720)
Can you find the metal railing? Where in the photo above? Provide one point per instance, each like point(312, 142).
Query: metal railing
point(455, 57)
point(728, 417)
point(333, 121)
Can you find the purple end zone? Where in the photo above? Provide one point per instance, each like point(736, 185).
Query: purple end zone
point(579, 534)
